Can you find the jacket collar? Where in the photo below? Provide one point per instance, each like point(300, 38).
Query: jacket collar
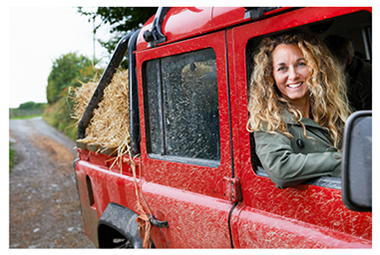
point(289, 118)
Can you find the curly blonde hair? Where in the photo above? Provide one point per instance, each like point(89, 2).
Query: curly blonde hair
point(327, 89)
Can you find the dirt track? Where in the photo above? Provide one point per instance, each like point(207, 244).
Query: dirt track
point(44, 210)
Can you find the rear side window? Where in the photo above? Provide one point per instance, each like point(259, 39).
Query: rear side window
point(181, 100)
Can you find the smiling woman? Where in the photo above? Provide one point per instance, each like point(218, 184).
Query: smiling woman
point(298, 107)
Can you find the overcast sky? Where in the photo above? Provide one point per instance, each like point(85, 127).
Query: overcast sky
point(38, 36)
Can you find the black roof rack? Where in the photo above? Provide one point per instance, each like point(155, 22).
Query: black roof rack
point(155, 36)
point(257, 12)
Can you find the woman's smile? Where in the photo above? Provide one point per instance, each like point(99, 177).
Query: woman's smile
point(295, 86)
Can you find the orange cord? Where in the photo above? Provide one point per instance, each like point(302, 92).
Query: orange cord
point(143, 219)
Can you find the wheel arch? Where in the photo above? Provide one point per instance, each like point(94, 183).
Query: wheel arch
point(117, 219)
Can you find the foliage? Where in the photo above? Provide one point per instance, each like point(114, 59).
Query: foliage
point(65, 73)
point(122, 20)
point(27, 110)
point(11, 157)
point(32, 106)
point(58, 115)
point(68, 71)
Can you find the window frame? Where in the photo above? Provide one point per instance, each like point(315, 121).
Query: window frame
point(158, 67)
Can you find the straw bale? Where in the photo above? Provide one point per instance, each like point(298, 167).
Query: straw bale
point(81, 96)
point(109, 126)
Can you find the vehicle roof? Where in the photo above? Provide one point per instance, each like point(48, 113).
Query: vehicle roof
point(184, 22)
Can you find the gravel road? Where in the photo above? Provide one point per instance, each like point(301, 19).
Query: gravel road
point(44, 210)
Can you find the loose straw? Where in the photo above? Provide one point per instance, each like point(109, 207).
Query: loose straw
point(109, 126)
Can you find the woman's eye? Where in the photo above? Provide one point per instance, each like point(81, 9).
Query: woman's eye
point(302, 64)
point(281, 68)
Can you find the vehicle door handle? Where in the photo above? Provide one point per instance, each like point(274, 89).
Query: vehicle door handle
point(158, 223)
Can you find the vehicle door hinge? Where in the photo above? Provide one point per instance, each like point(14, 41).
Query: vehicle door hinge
point(232, 189)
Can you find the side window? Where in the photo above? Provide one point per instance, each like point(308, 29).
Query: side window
point(181, 95)
point(357, 28)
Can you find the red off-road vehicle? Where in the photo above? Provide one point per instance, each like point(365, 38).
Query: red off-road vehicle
point(189, 70)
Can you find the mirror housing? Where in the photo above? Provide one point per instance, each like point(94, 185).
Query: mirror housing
point(357, 162)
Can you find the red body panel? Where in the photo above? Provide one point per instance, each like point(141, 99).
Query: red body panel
point(195, 221)
point(257, 229)
point(190, 197)
point(312, 204)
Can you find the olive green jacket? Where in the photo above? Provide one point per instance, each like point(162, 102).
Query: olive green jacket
point(288, 163)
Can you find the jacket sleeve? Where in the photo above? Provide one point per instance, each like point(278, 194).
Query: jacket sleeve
point(286, 168)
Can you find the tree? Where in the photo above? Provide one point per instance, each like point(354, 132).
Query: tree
point(66, 72)
point(32, 106)
point(122, 19)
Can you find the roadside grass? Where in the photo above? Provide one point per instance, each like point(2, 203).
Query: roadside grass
point(11, 157)
point(25, 117)
point(58, 116)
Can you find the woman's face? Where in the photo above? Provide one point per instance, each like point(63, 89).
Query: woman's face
point(290, 72)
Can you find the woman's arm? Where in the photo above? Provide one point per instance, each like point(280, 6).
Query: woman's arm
point(286, 168)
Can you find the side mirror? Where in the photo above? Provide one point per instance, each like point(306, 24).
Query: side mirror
point(357, 162)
